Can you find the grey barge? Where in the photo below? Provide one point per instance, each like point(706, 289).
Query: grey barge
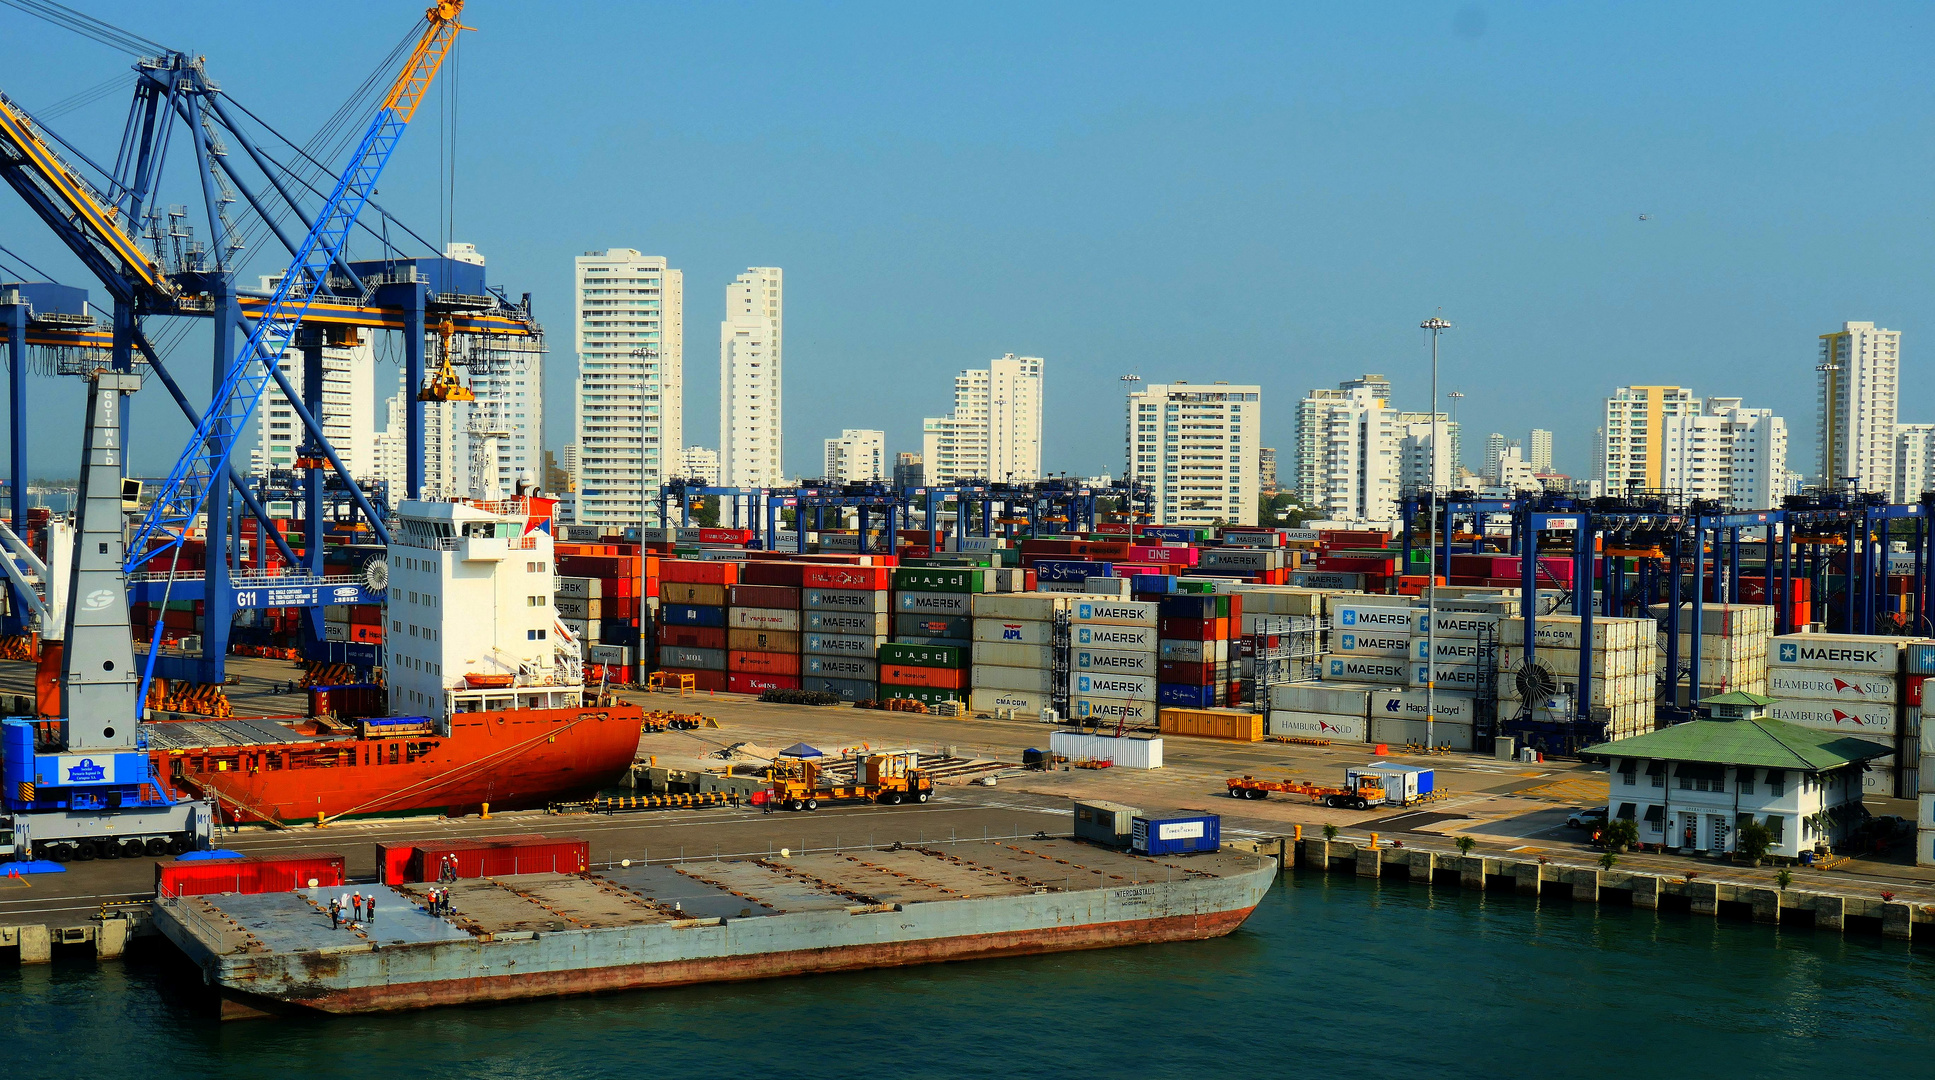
point(539, 935)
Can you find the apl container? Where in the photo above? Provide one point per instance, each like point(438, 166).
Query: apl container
point(1175, 834)
point(1013, 631)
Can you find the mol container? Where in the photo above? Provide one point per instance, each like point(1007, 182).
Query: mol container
point(1175, 834)
point(1403, 784)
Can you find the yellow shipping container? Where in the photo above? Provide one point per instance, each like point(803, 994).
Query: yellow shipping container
point(1238, 724)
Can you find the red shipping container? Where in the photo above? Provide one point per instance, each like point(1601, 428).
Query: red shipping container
point(1915, 690)
point(365, 615)
point(930, 677)
point(748, 683)
point(1176, 671)
point(764, 596)
point(283, 873)
point(598, 566)
point(725, 536)
point(763, 663)
point(696, 572)
point(502, 856)
point(771, 573)
point(693, 637)
point(846, 577)
point(203, 877)
point(393, 863)
point(710, 681)
point(1112, 529)
point(1192, 629)
point(371, 634)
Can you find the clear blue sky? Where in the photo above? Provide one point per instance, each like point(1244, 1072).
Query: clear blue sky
point(1256, 193)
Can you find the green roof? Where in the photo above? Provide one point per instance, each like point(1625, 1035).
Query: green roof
point(1739, 697)
point(1763, 743)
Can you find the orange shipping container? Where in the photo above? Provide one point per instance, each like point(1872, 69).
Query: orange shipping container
point(933, 678)
point(1234, 724)
point(697, 572)
point(773, 641)
point(763, 663)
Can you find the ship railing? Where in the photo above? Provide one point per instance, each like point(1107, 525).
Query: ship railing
point(291, 576)
point(204, 927)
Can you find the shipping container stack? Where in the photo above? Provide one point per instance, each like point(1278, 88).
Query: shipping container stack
point(1853, 684)
point(596, 592)
point(1013, 655)
point(1921, 671)
point(927, 599)
point(1734, 639)
point(692, 619)
point(845, 619)
point(1194, 633)
point(1624, 669)
point(763, 627)
point(1114, 660)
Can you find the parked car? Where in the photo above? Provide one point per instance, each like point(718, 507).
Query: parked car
point(1590, 818)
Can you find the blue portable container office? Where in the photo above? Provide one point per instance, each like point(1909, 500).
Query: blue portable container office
point(1176, 833)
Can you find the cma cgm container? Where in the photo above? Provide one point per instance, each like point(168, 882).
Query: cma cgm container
point(1175, 834)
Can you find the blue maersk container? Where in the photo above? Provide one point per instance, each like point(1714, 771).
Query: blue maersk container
point(1175, 834)
point(1921, 659)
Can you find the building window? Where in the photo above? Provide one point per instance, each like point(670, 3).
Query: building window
point(1776, 783)
point(1746, 779)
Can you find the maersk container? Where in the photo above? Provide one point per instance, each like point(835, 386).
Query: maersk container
point(1370, 642)
point(1326, 579)
point(1383, 618)
point(1921, 659)
point(1194, 652)
point(1248, 561)
point(1112, 636)
point(1124, 711)
point(1175, 834)
point(1135, 687)
point(868, 601)
point(859, 645)
point(1118, 612)
point(1390, 671)
point(878, 624)
point(843, 667)
point(1140, 662)
point(932, 603)
point(1006, 654)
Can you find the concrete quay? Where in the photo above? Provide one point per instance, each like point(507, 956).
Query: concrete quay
point(1904, 916)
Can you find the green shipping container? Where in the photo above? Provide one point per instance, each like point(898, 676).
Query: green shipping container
point(941, 656)
point(922, 694)
point(926, 579)
point(950, 562)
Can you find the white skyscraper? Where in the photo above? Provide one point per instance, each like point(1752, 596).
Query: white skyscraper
point(1724, 452)
point(749, 380)
point(630, 314)
point(446, 462)
point(995, 430)
point(1196, 451)
point(1914, 461)
point(1859, 374)
point(700, 463)
point(857, 455)
point(1540, 447)
point(348, 412)
point(1629, 444)
point(1415, 453)
point(1348, 464)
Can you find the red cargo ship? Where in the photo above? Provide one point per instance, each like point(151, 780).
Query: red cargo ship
point(263, 771)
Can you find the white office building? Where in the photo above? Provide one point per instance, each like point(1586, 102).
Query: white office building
point(629, 310)
point(568, 461)
point(1859, 370)
point(994, 432)
point(1415, 456)
point(348, 411)
point(1628, 450)
point(749, 380)
point(1724, 452)
point(1914, 461)
point(1514, 473)
point(1348, 464)
point(447, 465)
point(857, 456)
point(700, 463)
point(1539, 450)
point(1196, 451)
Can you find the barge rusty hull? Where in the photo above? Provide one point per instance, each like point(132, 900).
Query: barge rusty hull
point(544, 935)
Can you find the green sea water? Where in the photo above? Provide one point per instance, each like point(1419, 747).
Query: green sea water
point(1332, 977)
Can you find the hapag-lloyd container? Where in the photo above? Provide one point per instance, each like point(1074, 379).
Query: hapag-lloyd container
point(1837, 652)
point(1004, 654)
point(1450, 705)
point(870, 601)
point(1119, 663)
point(1113, 636)
point(1119, 612)
point(1013, 631)
point(1818, 685)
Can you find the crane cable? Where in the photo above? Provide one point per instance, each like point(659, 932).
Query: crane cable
point(90, 27)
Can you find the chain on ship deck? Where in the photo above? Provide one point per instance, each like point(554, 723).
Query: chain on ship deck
point(672, 924)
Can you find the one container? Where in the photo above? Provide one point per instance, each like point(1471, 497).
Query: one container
point(1106, 823)
point(1176, 833)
